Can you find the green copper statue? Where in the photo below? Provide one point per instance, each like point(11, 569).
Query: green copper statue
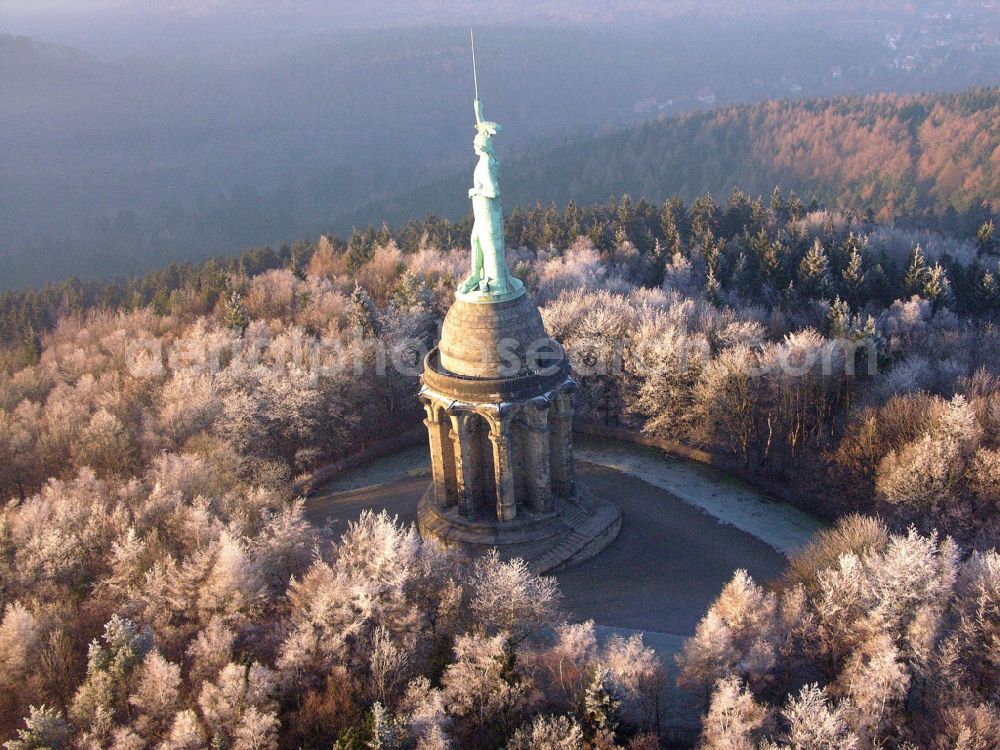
point(490, 280)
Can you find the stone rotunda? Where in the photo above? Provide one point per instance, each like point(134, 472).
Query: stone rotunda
point(498, 396)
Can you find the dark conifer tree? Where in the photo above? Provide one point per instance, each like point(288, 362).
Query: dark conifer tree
point(986, 238)
point(838, 319)
point(854, 274)
point(31, 346)
point(235, 316)
point(363, 315)
point(986, 294)
point(713, 289)
point(916, 273)
point(936, 287)
point(704, 218)
point(779, 209)
point(814, 272)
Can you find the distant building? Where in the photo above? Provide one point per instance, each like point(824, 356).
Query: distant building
point(705, 96)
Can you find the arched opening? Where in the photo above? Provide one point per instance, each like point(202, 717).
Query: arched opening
point(487, 494)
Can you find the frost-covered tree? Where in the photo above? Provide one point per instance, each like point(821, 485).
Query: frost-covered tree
point(20, 639)
point(186, 733)
point(936, 286)
point(813, 723)
point(927, 477)
point(509, 598)
point(602, 702)
point(838, 319)
point(232, 587)
point(210, 650)
point(733, 718)
point(386, 733)
point(257, 730)
point(667, 363)
point(237, 706)
point(387, 666)
point(854, 274)
point(481, 687)
point(639, 674)
point(726, 398)
point(156, 697)
point(548, 733)
point(424, 711)
point(105, 446)
point(363, 315)
point(874, 683)
point(44, 729)
point(737, 636)
point(110, 666)
point(916, 272)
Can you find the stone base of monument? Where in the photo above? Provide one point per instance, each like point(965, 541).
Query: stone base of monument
point(575, 530)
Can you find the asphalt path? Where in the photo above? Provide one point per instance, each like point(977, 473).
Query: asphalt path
point(667, 565)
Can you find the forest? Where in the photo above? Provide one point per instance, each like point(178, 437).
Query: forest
point(160, 586)
point(911, 157)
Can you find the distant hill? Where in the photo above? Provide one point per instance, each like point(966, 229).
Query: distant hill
point(114, 167)
point(894, 154)
point(25, 60)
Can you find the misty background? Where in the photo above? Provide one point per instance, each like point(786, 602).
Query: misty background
point(131, 138)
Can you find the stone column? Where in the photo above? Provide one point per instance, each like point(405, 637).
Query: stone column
point(506, 500)
point(441, 453)
point(466, 463)
point(561, 444)
point(538, 458)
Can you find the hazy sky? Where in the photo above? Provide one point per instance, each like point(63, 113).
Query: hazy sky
point(42, 7)
point(134, 27)
point(54, 9)
point(396, 11)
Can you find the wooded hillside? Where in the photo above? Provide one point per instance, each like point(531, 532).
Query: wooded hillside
point(898, 156)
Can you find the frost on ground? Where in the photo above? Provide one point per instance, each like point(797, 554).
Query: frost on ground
point(729, 500)
point(779, 525)
point(407, 463)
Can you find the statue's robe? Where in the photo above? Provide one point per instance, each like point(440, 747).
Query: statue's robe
point(488, 215)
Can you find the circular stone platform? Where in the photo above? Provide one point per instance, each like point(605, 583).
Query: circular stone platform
point(575, 530)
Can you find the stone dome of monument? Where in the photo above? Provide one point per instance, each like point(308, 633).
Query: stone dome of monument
point(499, 340)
